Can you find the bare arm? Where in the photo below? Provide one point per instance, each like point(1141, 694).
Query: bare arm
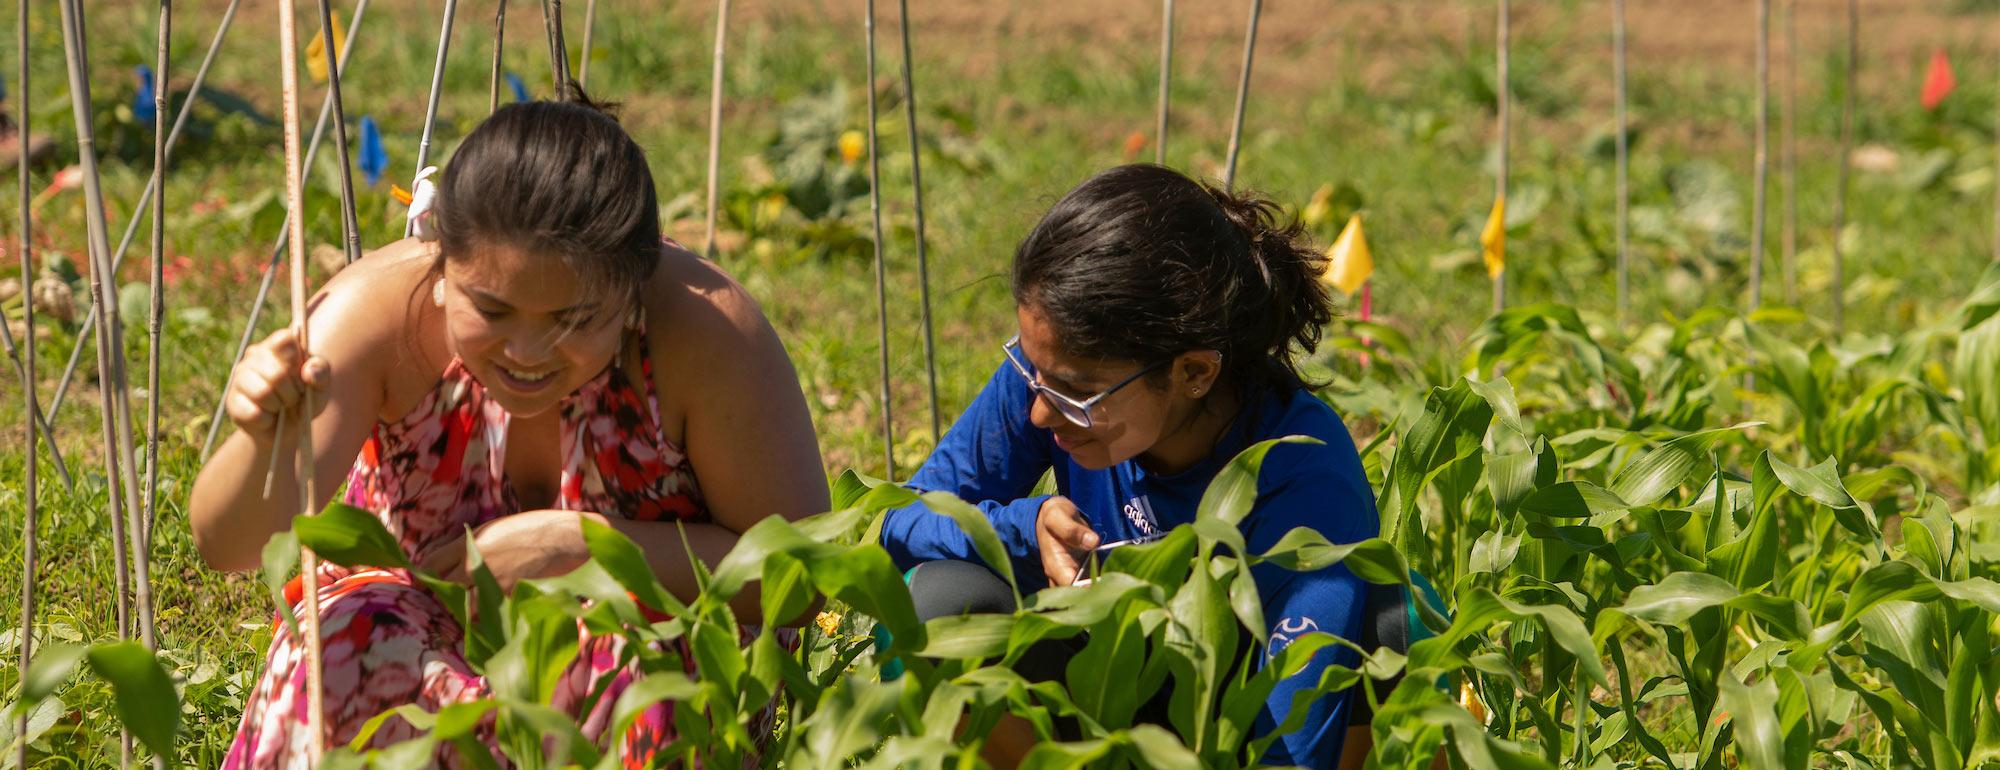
point(229, 513)
point(747, 431)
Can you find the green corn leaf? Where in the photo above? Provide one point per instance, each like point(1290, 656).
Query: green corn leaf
point(985, 540)
point(1572, 500)
point(1499, 394)
point(1160, 749)
point(1233, 491)
point(1759, 741)
point(621, 557)
point(1163, 562)
point(1453, 424)
point(1306, 550)
point(968, 636)
point(1068, 756)
point(1657, 473)
point(350, 537)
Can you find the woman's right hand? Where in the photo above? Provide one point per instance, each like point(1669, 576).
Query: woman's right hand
point(273, 379)
point(1064, 538)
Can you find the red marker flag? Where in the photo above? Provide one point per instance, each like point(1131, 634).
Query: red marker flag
point(1938, 83)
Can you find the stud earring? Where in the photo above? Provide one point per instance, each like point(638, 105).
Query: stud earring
point(437, 293)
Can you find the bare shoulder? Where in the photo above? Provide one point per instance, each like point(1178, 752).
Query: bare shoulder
point(700, 308)
point(370, 300)
point(369, 320)
point(700, 319)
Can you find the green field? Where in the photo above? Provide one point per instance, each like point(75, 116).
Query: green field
point(1390, 107)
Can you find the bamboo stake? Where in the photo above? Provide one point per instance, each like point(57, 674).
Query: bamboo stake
point(1504, 101)
point(923, 258)
point(29, 536)
point(558, 50)
point(41, 420)
point(108, 348)
point(499, 44)
point(1846, 151)
point(1624, 164)
point(350, 224)
point(437, 88)
point(142, 528)
point(132, 224)
point(1166, 77)
point(215, 420)
point(589, 24)
point(881, 268)
point(1242, 93)
point(1763, 153)
point(288, 45)
point(1789, 149)
point(715, 125)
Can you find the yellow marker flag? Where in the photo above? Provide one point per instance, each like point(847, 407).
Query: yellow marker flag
point(1348, 263)
point(316, 60)
point(1320, 208)
point(1493, 239)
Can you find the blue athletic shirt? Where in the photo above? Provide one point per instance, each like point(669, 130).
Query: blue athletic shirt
point(993, 457)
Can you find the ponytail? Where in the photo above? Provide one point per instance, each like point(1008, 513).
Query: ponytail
point(1141, 263)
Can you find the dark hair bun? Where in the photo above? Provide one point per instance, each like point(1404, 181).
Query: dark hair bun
point(1141, 263)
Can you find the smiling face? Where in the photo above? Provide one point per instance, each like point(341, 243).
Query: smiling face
point(1126, 424)
point(517, 322)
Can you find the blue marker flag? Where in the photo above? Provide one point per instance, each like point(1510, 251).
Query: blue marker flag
point(374, 159)
point(520, 88)
point(142, 103)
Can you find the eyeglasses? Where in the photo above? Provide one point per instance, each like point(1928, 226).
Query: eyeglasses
point(1077, 412)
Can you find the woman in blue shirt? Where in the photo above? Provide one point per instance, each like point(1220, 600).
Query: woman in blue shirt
point(1160, 321)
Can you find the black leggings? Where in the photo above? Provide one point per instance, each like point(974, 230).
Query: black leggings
point(948, 588)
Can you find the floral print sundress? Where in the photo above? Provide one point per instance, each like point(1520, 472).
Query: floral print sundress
point(389, 642)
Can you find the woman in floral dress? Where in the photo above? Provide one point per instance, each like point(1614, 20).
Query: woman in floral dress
point(546, 357)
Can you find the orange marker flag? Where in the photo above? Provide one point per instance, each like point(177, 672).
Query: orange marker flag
point(1938, 83)
point(316, 58)
point(1493, 239)
point(1348, 262)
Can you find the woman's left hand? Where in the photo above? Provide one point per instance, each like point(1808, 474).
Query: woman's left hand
point(523, 546)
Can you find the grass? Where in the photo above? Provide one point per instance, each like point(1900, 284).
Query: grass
point(1013, 114)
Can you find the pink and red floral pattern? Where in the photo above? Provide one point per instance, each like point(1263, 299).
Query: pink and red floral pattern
point(439, 470)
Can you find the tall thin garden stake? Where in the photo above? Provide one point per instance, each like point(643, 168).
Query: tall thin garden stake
point(558, 50)
point(923, 257)
point(589, 25)
point(437, 89)
point(499, 44)
point(41, 420)
point(1624, 162)
point(288, 45)
point(1763, 153)
point(1166, 78)
point(139, 210)
point(142, 528)
point(881, 269)
point(1846, 151)
point(715, 126)
point(350, 225)
point(29, 537)
point(215, 420)
point(1242, 93)
point(108, 349)
point(1503, 96)
point(1788, 167)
